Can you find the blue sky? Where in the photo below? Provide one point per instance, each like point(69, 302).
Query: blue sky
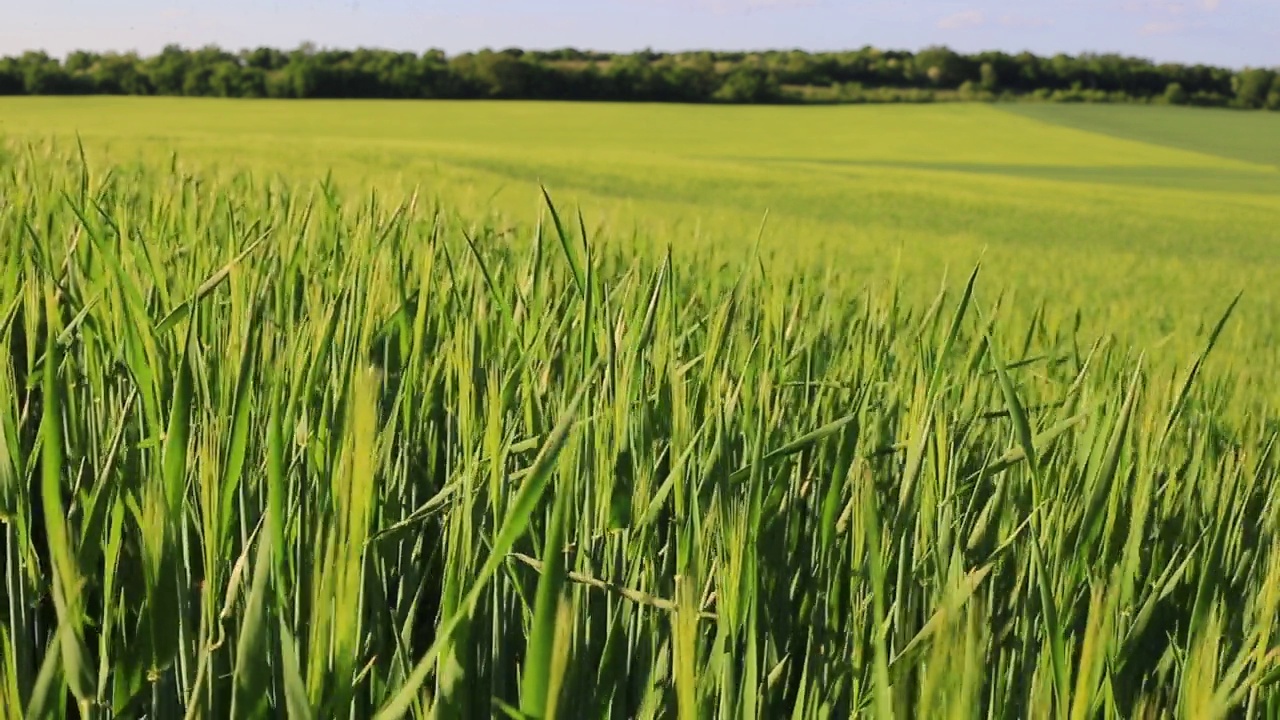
point(1225, 32)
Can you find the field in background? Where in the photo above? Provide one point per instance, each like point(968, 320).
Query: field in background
point(1251, 138)
point(1148, 220)
point(280, 442)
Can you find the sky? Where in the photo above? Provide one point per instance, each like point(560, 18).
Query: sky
point(1233, 33)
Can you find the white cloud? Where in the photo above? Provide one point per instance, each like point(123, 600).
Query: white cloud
point(1158, 28)
point(728, 6)
point(963, 19)
point(1170, 7)
point(1163, 7)
point(1014, 20)
point(1162, 27)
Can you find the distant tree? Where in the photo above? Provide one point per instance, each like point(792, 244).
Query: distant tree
point(306, 78)
point(989, 77)
point(867, 74)
point(279, 84)
point(264, 58)
point(42, 75)
point(80, 61)
point(224, 80)
point(11, 82)
point(504, 74)
point(690, 82)
point(634, 77)
point(941, 65)
point(1174, 94)
point(198, 81)
point(120, 75)
point(1064, 72)
point(168, 70)
point(1031, 75)
point(748, 85)
point(253, 82)
point(1252, 87)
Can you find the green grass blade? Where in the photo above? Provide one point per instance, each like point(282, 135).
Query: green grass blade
point(514, 525)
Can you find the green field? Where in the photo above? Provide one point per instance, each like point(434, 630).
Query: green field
point(1100, 208)
point(1250, 137)
point(321, 409)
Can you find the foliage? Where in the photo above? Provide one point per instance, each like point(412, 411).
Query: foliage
point(272, 448)
point(1252, 87)
point(1175, 94)
point(568, 74)
point(748, 85)
point(1144, 217)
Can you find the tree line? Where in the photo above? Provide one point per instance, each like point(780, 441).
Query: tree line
point(865, 75)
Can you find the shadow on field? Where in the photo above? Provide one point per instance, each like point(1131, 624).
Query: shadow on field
point(1182, 178)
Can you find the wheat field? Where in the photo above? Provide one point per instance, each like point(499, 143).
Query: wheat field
point(293, 431)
